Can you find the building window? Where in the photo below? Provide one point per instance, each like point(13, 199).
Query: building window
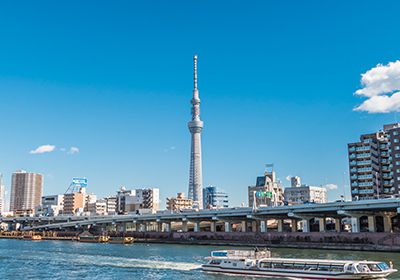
point(397, 148)
point(396, 140)
point(395, 132)
point(397, 162)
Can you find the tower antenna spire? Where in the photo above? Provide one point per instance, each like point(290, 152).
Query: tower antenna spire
point(195, 71)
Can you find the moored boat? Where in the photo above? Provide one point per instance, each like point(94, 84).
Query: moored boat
point(121, 240)
point(32, 237)
point(260, 263)
point(90, 238)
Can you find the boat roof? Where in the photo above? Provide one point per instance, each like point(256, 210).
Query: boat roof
point(261, 255)
point(311, 261)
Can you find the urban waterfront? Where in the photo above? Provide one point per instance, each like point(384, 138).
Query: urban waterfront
point(73, 260)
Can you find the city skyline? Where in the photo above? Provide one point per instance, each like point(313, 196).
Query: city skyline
point(94, 109)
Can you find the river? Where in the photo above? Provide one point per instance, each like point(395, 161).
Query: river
point(21, 259)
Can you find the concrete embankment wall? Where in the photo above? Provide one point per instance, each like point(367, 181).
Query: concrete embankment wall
point(341, 241)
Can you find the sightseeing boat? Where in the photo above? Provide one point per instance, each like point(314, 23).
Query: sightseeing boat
point(260, 263)
point(121, 240)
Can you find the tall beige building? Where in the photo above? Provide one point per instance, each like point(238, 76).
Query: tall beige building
point(26, 191)
point(179, 202)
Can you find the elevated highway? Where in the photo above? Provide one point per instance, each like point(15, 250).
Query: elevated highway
point(374, 211)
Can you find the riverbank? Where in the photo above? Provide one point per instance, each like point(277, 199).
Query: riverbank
point(383, 242)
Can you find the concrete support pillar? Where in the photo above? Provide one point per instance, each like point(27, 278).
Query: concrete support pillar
point(184, 226)
point(263, 226)
point(338, 224)
point(355, 224)
point(371, 224)
point(280, 225)
point(387, 223)
point(254, 226)
point(305, 225)
point(121, 227)
point(213, 226)
point(294, 225)
point(228, 227)
point(244, 226)
point(322, 225)
point(167, 227)
point(159, 226)
point(196, 227)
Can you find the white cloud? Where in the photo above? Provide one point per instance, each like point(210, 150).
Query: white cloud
point(381, 87)
point(73, 150)
point(43, 149)
point(169, 149)
point(331, 187)
point(289, 177)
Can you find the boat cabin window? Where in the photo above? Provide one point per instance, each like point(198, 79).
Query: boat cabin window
point(383, 266)
point(299, 266)
point(350, 268)
point(215, 262)
point(362, 267)
point(337, 268)
point(265, 264)
point(373, 267)
point(311, 266)
point(323, 267)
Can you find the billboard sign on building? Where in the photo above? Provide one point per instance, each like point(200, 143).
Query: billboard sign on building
point(79, 182)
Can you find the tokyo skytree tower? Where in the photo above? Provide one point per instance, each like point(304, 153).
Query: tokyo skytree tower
point(195, 127)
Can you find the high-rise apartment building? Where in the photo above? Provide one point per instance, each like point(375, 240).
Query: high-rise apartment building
point(267, 191)
point(2, 195)
point(26, 191)
point(374, 164)
point(215, 198)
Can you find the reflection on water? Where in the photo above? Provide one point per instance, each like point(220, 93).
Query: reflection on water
point(73, 260)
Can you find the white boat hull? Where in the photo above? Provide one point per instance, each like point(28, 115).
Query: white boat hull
point(287, 274)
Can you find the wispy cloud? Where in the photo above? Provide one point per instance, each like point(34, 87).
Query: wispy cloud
point(169, 149)
point(330, 187)
point(73, 150)
point(381, 87)
point(43, 149)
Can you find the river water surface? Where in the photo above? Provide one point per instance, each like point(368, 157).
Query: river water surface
point(20, 259)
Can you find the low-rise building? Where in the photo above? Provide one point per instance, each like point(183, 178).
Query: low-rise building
point(138, 200)
point(52, 205)
point(179, 202)
point(267, 191)
point(111, 205)
point(305, 194)
point(97, 208)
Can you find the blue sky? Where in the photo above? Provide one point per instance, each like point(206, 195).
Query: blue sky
point(114, 79)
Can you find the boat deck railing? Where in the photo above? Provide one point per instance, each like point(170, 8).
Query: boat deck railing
point(237, 254)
